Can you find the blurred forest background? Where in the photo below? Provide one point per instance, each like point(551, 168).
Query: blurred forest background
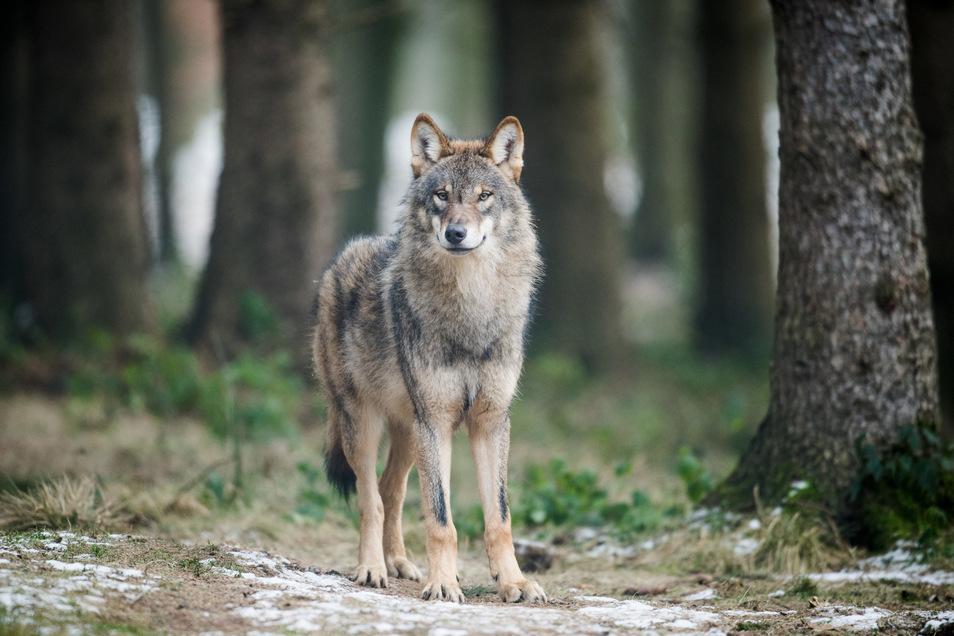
point(176, 173)
point(651, 133)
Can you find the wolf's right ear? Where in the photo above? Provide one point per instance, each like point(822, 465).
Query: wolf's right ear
point(505, 147)
point(428, 144)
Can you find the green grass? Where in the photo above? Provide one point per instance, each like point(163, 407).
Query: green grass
point(753, 626)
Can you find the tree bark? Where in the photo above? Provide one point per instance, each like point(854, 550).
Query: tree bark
point(12, 149)
point(662, 67)
point(85, 255)
point(156, 47)
point(276, 222)
point(365, 61)
point(734, 313)
point(854, 350)
point(554, 83)
point(932, 70)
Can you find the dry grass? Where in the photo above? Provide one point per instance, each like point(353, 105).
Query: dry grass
point(797, 544)
point(789, 543)
point(64, 503)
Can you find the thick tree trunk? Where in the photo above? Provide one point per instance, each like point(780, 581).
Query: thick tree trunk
point(275, 222)
point(85, 252)
point(553, 83)
point(854, 350)
point(735, 278)
point(932, 71)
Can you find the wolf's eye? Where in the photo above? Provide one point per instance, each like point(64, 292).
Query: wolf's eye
point(441, 194)
point(485, 195)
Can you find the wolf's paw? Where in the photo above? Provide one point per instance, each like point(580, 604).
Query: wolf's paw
point(442, 591)
point(401, 568)
point(370, 575)
point(524, 590)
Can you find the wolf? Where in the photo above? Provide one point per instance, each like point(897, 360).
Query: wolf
point(423, 331)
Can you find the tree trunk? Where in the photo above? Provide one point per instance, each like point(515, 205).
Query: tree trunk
point(932, 71)
point(662, 69)
point(735, 278)
point(854, 350)
point(553, 82)
point(85, 253)
point(365, 60)
point(12, 151)
point(157, 40)
point(275, 222)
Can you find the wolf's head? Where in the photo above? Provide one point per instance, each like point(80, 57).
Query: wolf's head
point(465, 193)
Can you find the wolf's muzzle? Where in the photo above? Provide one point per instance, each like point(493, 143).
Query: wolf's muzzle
point(455, 233)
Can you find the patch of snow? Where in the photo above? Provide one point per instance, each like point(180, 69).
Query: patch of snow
point(939, 621)
point(643, 615)
point(701, 596)
point(597, 599)
point(848, 618)
point(853, 576)
point(748, 613)
point(610, 548)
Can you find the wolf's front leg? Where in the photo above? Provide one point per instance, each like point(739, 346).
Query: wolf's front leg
point(433, 468)
point(490, 446)
point(361, 451)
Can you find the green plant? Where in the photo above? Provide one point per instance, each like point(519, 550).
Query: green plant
point(905, 490)
point(696, 478)
point(804, 587)
point(164, 380)
point(255, 398)
point(560, 497)
point(753, 626)
point(98, 551)
point(195, 565)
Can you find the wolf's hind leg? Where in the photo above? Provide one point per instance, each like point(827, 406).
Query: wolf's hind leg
point(490, 446)
point(393, 487)
point(361, 449)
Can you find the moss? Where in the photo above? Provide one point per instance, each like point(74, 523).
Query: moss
point(904, 491)
point(745, 490)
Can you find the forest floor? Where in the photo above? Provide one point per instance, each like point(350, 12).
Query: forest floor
point(112, 583)
point(160, 526)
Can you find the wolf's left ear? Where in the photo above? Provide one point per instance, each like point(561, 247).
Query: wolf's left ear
point(428, 144)
point(505, 147)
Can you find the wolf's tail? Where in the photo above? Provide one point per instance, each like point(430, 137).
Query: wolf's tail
point(337, 469)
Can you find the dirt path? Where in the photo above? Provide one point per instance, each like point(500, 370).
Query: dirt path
point(111, 583)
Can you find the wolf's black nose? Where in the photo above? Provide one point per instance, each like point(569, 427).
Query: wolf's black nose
point(455, 233)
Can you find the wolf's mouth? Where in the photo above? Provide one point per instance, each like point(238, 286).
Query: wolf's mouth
point(460, 251)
